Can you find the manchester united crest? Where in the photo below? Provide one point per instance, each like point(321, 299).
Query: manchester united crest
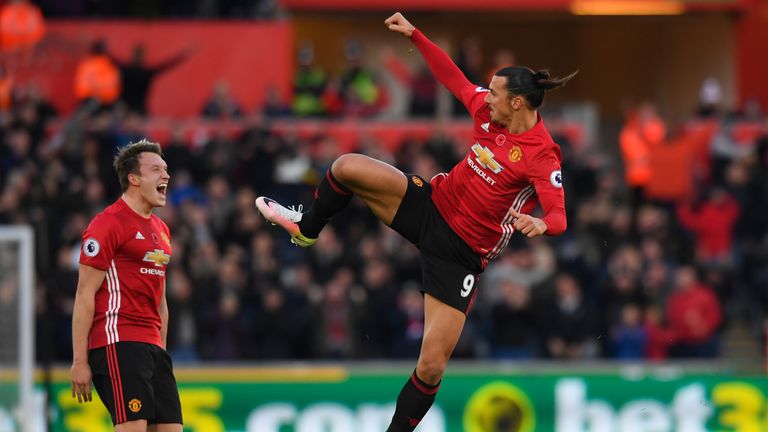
point(417, 181)
point(515, 154)
point(134, 405)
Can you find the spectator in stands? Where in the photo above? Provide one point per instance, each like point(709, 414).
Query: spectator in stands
point(137, 77)
point(222, 104)
point(567, 321)
point(359, 88)
point(22, 25)
point(531, 263)
point(422, 88)
point(277, 327)
point(642, 131)
point(309, 84)
point(6, 89)
point(274, 106)
point(513, 328)
point(630, 336)
point(660, 336)
point(502, 58)
point(710, 98)
point(694, 315)
point(470, 60)
point(184, 329)
point(408, 323)
point(97, 77)
point(622, 287)
point(380, 294)
point(337, 316)
point(712, 222)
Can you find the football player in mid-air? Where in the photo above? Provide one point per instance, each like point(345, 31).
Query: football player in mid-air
point(458, 220)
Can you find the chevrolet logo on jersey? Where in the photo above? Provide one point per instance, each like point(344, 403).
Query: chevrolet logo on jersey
point(158, 257)
point(485, 158)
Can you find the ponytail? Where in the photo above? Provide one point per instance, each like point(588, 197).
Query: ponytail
point(541, 80)
point(522, 81)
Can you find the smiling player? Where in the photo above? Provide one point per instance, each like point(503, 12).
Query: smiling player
point(120, 318)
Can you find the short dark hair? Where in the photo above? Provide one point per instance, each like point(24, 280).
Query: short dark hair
point(523, 81)
point(127, 159)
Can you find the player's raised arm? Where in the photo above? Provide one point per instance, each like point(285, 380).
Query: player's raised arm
point(441, 65)
point(89, 281)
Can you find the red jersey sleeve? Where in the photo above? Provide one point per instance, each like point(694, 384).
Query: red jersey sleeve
point(449, 75)
point(547, 179)
point(100, 240)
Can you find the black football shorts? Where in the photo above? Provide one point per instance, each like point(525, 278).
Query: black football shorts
point(139, 376)
point(450, 268)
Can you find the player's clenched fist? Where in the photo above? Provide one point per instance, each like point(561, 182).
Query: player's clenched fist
point(398, 23)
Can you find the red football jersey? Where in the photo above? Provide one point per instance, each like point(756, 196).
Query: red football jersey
point(134, 251)
point(501, 171)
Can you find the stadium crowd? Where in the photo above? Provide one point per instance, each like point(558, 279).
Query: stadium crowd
point(637, 275)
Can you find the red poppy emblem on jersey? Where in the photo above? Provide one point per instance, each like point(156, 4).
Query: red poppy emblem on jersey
point(500, 139)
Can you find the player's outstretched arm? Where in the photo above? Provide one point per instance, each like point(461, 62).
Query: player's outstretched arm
point(89, 281)
point(441, 65)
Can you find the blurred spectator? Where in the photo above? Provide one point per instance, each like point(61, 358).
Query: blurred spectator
point(359, 88)
point(567, 321)
point(660, 337)
point(277, 327)
point(274, 106)
point(408, 323)
point(470, 60)
point(710, 98)
point(501, 58)
point(513, 326)
point(6, 89)
point(97, 77)
point(337, 315)
point(642, 131)
point(630, 337)
point(622, 287)
point(694, 315)
point(380, 295)
point(22, 25)
point(422, 87)
point(137, 77)
point(222, 104)
point(712, 222)
point(183, 328)
point(309, 84)
point(529, 263)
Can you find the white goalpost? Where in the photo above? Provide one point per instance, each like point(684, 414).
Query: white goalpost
point(19, 277)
